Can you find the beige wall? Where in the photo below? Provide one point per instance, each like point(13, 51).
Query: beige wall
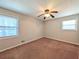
point(30, 29)
point(53, 30)
point(78, 28)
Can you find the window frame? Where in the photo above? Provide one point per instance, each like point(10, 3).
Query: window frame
point(70, 29)
point(18, 27)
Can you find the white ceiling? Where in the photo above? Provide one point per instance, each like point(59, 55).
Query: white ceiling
point(36, 7)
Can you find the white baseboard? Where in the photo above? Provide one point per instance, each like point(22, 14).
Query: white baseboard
point(19, 44)
point(63, 41)
point(34, 40)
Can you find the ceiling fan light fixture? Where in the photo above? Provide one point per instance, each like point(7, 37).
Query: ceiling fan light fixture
point(47, 15)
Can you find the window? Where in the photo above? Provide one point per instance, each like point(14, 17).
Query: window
point(8, 26)
point(69, 25)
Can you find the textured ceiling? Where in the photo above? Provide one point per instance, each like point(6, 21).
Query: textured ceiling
point(36, 7)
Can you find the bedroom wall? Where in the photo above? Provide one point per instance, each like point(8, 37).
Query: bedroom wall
point(78, 28)
point(53, 30)
point(29, 29)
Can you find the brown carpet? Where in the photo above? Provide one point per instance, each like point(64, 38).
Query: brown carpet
point(43, 48)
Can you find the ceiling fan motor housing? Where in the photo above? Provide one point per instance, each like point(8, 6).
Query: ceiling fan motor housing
point(47, 11)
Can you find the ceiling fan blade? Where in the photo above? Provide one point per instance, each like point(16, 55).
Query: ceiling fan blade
point(44, 17)
point(52, 16)
point(40, 15)
point(54, 11)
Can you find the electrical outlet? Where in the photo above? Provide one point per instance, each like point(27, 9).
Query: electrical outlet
point(23, 41)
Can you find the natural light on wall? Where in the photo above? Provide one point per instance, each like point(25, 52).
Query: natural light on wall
point(69, 25)
point(8, 26)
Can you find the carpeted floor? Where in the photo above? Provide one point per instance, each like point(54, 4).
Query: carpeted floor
point(43, 48)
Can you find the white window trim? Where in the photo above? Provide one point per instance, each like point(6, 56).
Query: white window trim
point(18, 31)
point(70, 29)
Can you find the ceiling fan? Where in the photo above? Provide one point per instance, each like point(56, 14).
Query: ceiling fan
point(48, 13)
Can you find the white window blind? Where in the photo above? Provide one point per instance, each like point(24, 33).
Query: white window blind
point(69, 25)
point(8, 26)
